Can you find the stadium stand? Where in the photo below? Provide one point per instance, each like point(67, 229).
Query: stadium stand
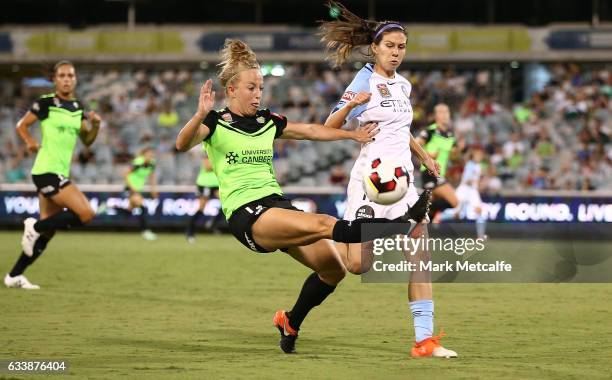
point(557, 138)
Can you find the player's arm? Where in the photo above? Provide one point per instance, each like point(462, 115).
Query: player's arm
point(422, 139)
point(338, 119)
point(206, 163)
point(88, 134)
point(455, 153)
point(318, 132)
point(195, 131)
point(428, 161)
point(22, 130)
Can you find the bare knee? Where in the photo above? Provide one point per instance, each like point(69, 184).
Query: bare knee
point(359, 263)
point(325, 225)
point(332, 276)
point(359, 257)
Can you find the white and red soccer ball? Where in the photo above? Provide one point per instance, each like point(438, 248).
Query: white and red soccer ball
point(385, 181)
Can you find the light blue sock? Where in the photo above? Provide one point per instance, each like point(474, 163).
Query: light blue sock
point(422, 317)
point(480, 227)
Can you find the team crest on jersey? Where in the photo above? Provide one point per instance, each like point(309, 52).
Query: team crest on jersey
point(36, 106)
point(348, 96)
point(406, 92)
point(227, 117)
point(75, 104)
point(383, 90)
point(261, 119)
point(56, 101)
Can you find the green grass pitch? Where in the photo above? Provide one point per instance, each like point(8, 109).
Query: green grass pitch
point(114, 305)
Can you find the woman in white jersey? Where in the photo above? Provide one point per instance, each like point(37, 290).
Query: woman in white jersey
point(390, 107)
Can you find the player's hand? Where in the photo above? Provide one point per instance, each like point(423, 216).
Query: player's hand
point(433, 166)
point(360, 98)
point(207, 99)
point(94, 119)
point(32, 146)
point(365, 133)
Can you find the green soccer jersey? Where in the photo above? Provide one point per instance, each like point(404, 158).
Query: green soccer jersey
point(141, 170)
point(207, 178)
point(439, 142)
point(60, 123)
point(240, 150)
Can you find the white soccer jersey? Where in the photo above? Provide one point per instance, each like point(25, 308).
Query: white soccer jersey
point(390, 107)
point(471, 174)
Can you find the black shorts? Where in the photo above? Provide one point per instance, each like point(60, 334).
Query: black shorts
point(49, 184)
point(242, 220)
point(127, 192)
point(430, 181)
point(207, 192)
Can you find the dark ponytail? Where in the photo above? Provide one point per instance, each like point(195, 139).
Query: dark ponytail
point(350, 31)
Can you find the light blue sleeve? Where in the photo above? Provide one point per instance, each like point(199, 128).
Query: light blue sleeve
point(471, 171)
point(361, 83)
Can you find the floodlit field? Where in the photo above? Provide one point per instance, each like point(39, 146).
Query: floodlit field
point(113, 304)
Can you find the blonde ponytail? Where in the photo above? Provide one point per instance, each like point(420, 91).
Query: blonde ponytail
point(236, 57)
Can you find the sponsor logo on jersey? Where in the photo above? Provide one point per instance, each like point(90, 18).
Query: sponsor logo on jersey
point(231, 158)
point(383, 90)
point(256, 156)
point(227, 117)
point(348, 96)
point(364, 212)
point(401, 105)
point(277, 115)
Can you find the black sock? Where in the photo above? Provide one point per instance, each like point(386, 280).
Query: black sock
point(193, 221)
point(20, 266)
point(63, 219)
point(314, 291)
point(350, 232)
point(143, 218)
point(437, 205)
point(24, 260)
point(217, 219)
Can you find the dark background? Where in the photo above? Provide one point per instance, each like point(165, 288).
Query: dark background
point(83, 13)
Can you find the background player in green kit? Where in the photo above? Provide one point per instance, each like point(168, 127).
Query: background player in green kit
point(439, 141)
point(62, 204)
point(207, 187)
point(239, 141)
point(143, 168)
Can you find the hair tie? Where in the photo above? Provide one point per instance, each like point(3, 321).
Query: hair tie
point(392, 25)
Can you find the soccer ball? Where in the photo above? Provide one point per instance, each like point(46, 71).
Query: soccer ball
point(385, 181)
